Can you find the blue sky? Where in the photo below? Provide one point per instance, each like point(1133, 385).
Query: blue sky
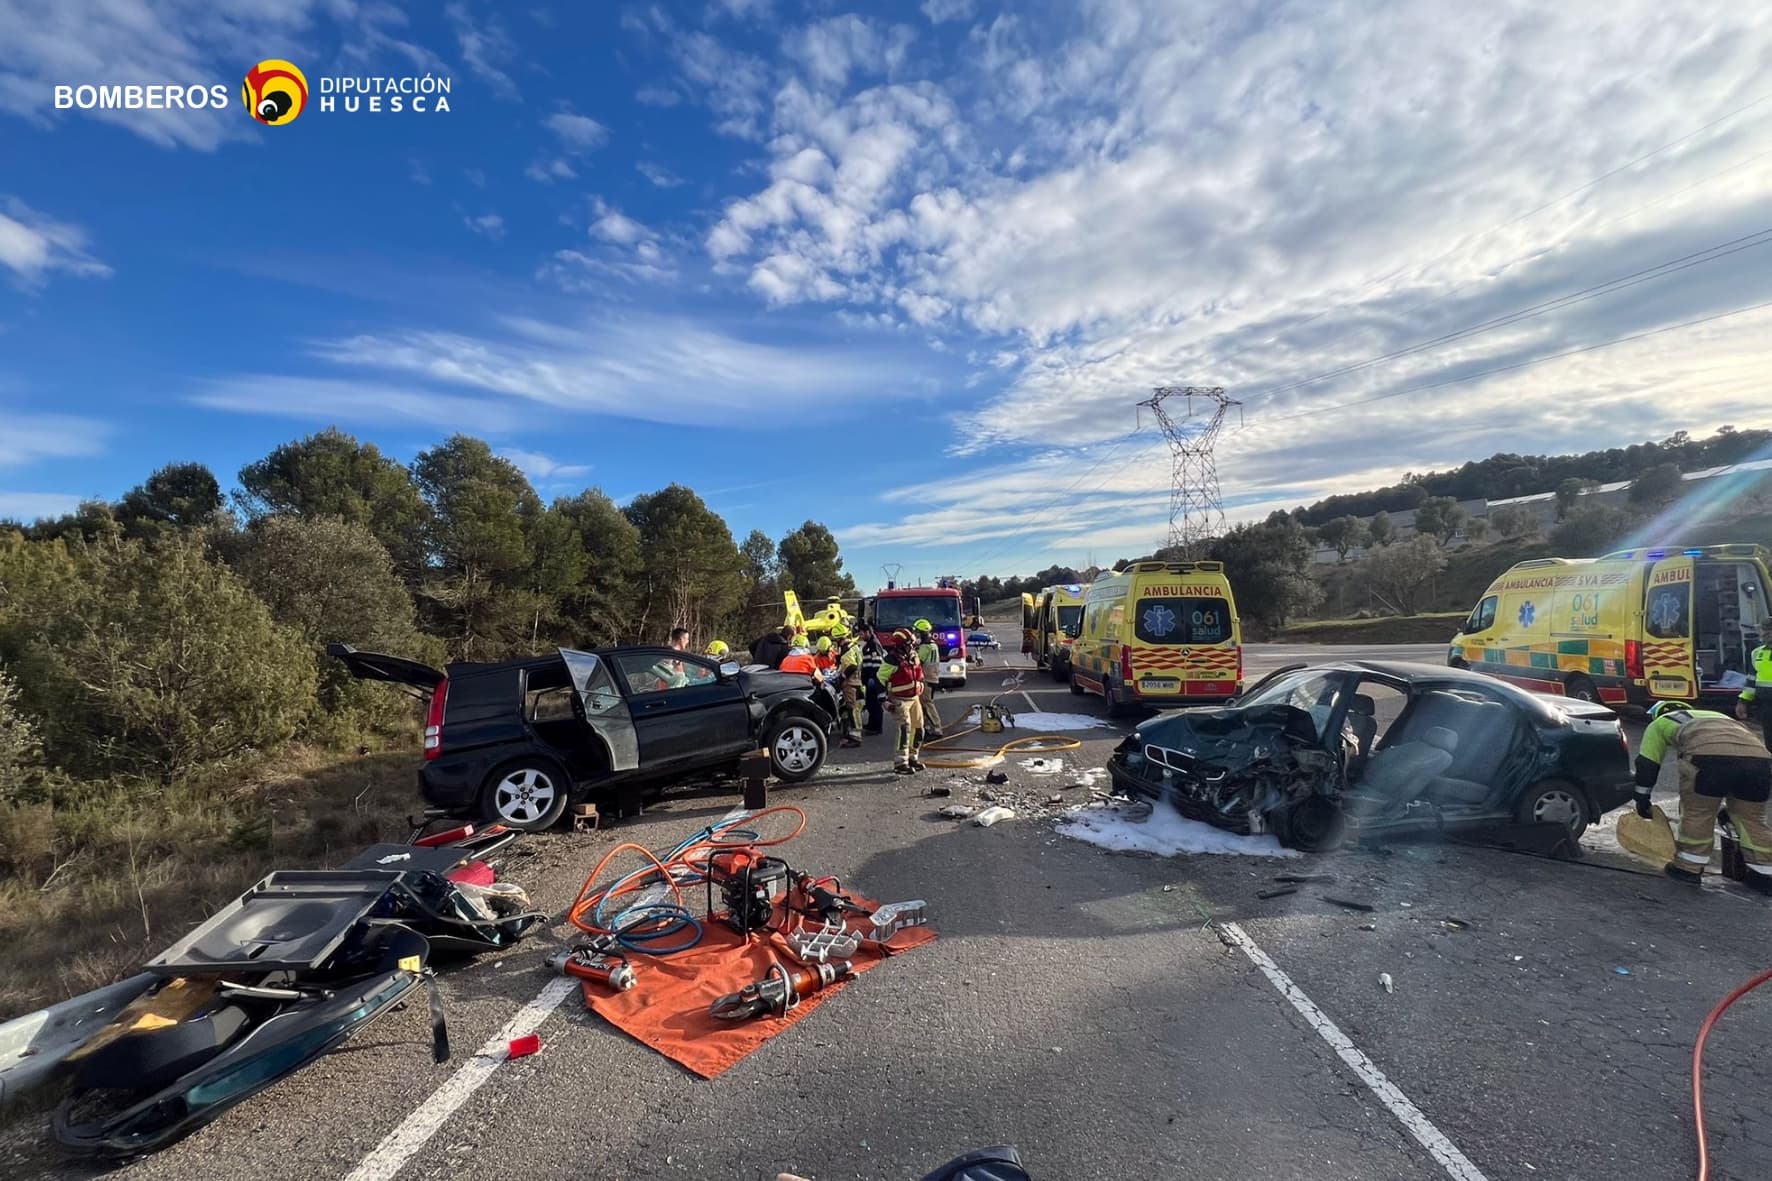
point(905, 269)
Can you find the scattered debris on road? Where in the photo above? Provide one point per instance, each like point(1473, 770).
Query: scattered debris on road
point(1384, 979)
point(993, 814)
point(956, 811)
point(1350, 903)
point(1320, 879)
point(1279, 892)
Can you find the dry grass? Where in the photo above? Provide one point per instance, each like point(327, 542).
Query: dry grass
point(109, 880)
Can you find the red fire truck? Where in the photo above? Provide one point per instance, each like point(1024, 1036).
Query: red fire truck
point(942, 605)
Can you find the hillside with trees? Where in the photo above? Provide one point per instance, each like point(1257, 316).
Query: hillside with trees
point(168, 715)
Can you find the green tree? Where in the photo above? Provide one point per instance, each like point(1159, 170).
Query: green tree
point(1343, 534)
point(1591, 531)
point(1398, 574)
point(21, 751)
point(811, 565)
point(152, 659)
point(1656, 486)
point(1570, 492)
point(1439, 517)
point(1269, 568)
point(761, 603)
point(178, 496)
point(601, 607)
point(1380, 529)
point(692, 576)
point(331, 474)
point(1514, 521)
point(482, 515)
point(331, 580)
point(94, 520)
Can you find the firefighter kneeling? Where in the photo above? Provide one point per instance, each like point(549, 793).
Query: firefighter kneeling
point(1720, 761)
point(902, 674)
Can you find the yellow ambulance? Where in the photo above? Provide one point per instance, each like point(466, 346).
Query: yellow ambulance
point(1159, 633)
point(1050, 623)
point(1635, 626)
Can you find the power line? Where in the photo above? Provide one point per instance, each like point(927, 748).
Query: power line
point(1118, 443)
point(1621, 283)
point(1196, 510)
point(1591, 348)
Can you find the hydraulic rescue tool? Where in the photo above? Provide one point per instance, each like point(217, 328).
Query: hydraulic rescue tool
point(780, 991)
point(600, 960)
point(750, 884)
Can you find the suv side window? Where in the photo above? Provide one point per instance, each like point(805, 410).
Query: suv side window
point(648, 672)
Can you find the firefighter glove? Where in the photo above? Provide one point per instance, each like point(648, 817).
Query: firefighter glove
point(1643, 808)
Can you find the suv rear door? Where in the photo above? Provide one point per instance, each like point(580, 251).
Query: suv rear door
point(378, 666)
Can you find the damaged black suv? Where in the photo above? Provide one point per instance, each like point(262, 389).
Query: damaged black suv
point(518, 741)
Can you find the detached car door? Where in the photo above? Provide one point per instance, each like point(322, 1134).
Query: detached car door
point(684, 713)
point(605, 709)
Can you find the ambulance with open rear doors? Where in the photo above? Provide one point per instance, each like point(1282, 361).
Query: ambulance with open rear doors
point(1635, 626)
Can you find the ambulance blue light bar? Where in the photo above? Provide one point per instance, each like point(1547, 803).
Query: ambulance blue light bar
point(1694, 552)
point(1655, 554)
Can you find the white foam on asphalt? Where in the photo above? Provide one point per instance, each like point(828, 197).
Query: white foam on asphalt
point(1045, 721)
point(1165, 832)
point(427, 1119)
point(1042, 766)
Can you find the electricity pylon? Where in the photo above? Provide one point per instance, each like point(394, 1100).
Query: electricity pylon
point(1196, 510)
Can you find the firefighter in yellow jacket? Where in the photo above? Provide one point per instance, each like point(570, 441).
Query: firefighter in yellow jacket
point(929, 656)
point(1721, 762)
point(902, 675)
point(849, 668)
point(1757, 697)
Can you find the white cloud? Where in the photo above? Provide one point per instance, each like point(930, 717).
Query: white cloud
point(1148, 192)
point(33, 506)
point(30, 437)
point(320, 399)
point(548, 171)
point(657, 96)
point(654, 368)
point(730, 82)
point(417, 172)
point(487, 225)
point(946, 10)
point(33, 244)
point(611, 225)
point(659, 175)
point(475, 177)
point(485, 49)
point(541, 468)
point(579, 133)
point(832, 48)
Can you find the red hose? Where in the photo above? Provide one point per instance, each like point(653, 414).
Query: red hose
point(1698, 1066)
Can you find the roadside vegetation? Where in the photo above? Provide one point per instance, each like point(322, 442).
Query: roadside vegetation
point(170, 728)
point(1391, 588)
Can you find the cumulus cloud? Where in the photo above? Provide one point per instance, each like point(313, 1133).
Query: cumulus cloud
point(32, 245)
point(486, 48)
point(1145, 192)
point(658, 174)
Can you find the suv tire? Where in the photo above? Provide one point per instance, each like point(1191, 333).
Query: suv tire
point(530, 794)
point(796, 746)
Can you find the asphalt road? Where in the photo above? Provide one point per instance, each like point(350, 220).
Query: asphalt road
point(1093, 1009)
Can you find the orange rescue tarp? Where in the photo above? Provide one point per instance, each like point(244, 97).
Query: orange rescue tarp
point(668, 1008)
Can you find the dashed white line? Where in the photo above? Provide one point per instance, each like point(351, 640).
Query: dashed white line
point(1456, 1164)
point(413, 1132)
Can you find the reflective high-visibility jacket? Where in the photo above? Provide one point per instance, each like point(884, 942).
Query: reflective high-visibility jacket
point(1691, 733)
point(902, 680)
point(1762, 660)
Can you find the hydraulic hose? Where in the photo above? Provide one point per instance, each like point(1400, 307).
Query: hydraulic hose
point(990, 757)
point(646, 924)
point(1698, 1067)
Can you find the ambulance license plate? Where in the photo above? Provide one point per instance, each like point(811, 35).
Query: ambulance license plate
point(1159, 684)
point(1669, 686)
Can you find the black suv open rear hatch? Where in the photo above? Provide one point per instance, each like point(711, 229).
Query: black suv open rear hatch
point(377, 666)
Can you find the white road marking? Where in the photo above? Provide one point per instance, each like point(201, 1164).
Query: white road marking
point(413, 1132)
point(1031, 703)
point(1456, 1164)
